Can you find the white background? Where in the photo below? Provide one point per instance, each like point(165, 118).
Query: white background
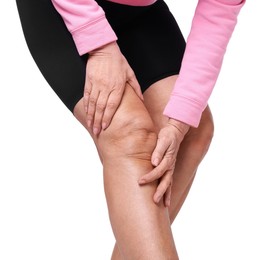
point(52, 204)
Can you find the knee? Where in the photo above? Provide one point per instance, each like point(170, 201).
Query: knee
point(131, 136)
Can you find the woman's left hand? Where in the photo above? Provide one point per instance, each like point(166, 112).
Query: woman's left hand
point(164, 158)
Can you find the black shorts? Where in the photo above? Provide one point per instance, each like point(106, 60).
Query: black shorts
point(148, 36)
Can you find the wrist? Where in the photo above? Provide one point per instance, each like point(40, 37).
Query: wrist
point(110, 47)
point(182, 127)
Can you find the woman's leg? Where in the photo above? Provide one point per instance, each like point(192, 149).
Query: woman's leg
point(142, 228)
point(192, 150)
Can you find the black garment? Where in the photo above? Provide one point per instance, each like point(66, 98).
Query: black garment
point(148, 36)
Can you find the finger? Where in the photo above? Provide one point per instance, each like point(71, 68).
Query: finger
point(92, 107)
point(113, 102)
point(167, 196)
point(163, 186)
point(99, 112)
point(157, 172)
point(133, 82)
point(161, 147)
point(86, 95)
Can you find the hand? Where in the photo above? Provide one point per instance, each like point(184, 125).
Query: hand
point(164, 158)
point(107, 72)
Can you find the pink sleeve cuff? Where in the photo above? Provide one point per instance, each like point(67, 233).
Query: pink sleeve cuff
point(93, 36)
point(184, 110)
point(87, 23)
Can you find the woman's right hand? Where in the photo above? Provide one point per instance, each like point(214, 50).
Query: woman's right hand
point(107, 73)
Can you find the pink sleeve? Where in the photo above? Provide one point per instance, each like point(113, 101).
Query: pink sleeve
point(87, 23)
point(212, 27)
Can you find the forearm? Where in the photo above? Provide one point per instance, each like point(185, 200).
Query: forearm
point(87, 23)
point(212, 27)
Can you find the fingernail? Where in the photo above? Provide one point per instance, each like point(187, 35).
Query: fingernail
point(156, 162)
point(95, 131)
point(158, 198)
point(104, 126)
point(142, 181)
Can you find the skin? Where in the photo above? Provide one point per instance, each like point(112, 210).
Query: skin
point(191, 152)
point(138, 146)
point(107, 73)
point(141, 227)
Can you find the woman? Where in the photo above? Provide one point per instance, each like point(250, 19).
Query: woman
point(119, 49)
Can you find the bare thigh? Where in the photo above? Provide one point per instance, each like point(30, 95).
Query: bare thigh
point(141, 227)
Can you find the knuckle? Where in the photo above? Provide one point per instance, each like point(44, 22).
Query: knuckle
point(170, 156)
point(120, 83)
point(167, 181)
point(85, 98)
point(111, 105)
point(92, 101)
point(85, 103)
point(89, 118)
point(103, 82)
point(130, 72)
point(170, 166)
point(100, 108)
point(89, 72)
point(90, 114)
point(87, 92)
point(162, 168)
point(91, 75)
